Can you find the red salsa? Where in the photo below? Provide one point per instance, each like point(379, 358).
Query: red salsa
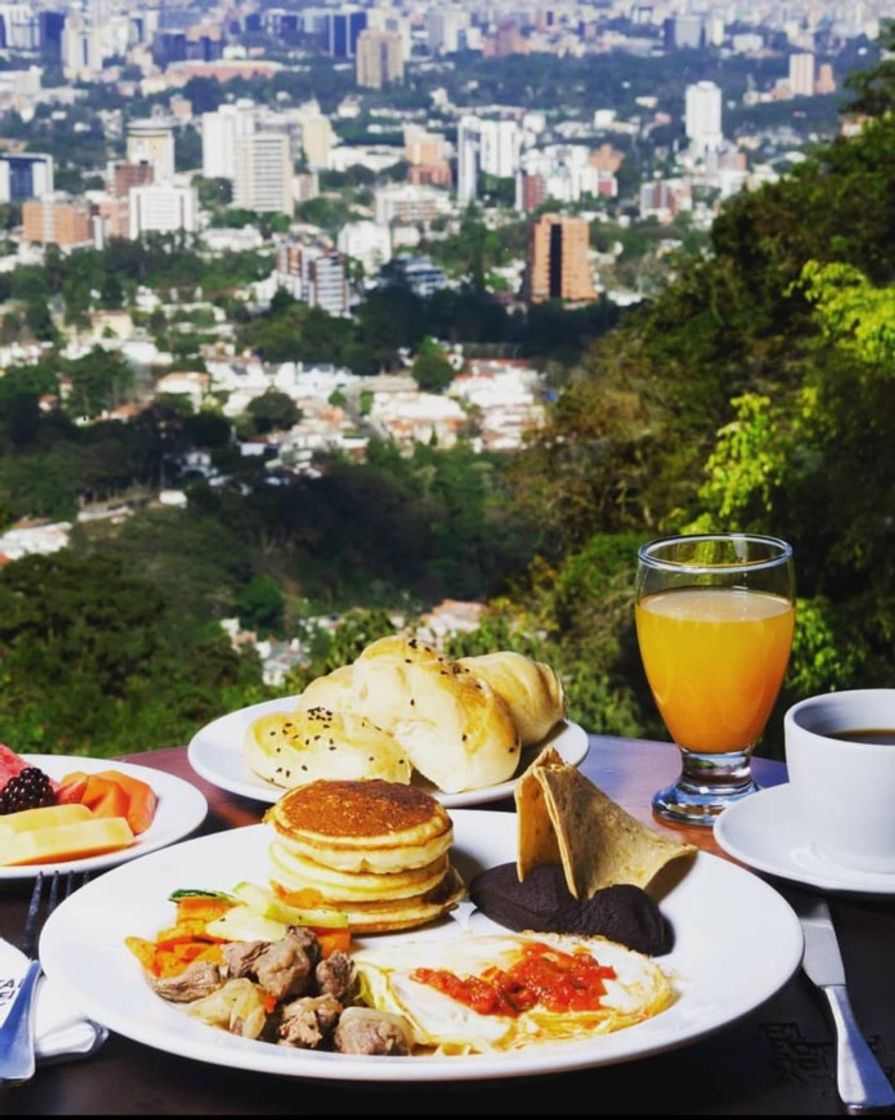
point(541, 977)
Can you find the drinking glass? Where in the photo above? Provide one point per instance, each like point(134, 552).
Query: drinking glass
point(715, 615)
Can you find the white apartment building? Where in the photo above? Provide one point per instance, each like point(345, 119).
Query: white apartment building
point(263, 180)
point(408, 204)
point(367, 242)
point(703, 116)
point(163, 208)
point(152, 141)
point(801, 74)
point(490, 146)
point(220, 132)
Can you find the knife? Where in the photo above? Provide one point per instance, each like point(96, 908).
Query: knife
point(860, 1079)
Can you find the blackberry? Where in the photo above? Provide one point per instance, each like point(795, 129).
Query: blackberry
point(31, 789)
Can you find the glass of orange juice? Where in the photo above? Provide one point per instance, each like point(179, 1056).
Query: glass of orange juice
point(715, 615)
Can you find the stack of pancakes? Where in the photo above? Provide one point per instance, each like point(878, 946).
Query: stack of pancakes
point(376, 850)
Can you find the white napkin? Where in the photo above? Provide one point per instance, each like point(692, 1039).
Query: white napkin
point(60, 1030)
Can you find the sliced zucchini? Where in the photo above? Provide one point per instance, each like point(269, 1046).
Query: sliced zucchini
point(243, 924)
point(190, 892)
point(269, 905)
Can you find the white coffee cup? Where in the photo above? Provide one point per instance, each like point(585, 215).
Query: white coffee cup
point(844, 790)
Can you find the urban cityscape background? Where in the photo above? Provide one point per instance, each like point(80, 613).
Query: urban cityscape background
point(320, 320)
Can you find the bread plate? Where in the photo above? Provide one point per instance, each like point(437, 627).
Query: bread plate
point(216, 754)
point(736, 943)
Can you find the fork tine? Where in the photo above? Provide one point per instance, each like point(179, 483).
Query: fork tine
point(54, 894)
point(30, 930)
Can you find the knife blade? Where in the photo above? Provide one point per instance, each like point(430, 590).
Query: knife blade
point(861, 1081)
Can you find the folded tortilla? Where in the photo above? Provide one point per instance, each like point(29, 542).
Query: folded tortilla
point(562, 817)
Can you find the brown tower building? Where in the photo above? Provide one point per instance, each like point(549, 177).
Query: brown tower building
point(558, 267)
point(380, 58)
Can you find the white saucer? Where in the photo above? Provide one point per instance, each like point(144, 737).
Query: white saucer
point(763, 831)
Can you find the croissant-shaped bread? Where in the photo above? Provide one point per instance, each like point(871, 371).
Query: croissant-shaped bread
point(530, 689)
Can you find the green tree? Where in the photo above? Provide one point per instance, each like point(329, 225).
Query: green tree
point(431, 369)
point(273, 410)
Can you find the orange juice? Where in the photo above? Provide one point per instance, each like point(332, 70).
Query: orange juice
point(715, 658)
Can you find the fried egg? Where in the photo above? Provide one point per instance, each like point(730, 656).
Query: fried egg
point(442, 1022)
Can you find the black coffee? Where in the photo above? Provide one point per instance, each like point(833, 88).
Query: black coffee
point(884, 735)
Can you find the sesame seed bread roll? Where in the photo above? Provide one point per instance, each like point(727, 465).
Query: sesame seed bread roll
point(333, 691)
point(293, 748)
point(530, 689)
point(452, 725)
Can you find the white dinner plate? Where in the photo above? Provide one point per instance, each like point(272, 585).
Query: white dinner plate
point(181, 809)
point(215, 753)
point(736, 943)
point(763, 831)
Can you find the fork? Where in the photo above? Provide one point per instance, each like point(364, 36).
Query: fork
point(17, 1059)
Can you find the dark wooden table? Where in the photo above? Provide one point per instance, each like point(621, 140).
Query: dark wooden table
point(779, 1060)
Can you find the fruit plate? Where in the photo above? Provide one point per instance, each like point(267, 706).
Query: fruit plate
point(181, 809)
point(215, 753)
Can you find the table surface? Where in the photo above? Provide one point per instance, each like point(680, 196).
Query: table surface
point(780, 1060)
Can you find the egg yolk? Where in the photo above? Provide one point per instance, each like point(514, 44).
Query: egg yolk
point(541, 977)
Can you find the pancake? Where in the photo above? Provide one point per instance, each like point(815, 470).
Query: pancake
point(373, 826)
point(295, 748)
point(408, 913)
point(376, 851)
point(296, 873)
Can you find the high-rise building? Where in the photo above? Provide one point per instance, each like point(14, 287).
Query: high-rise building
point(263, 179)
point(689, 32)
point(488, 146)
point(444, 27)
point(56, 219)
point(52, 25)
point(468, 159)
point(152, 141)
point(558, 266)
point(81, 48)
point(25, 175)
point(367, 242)
point(316, 140)
point(220, 133)
point(163, 208)
point(343, 30)
point(801, 74)
point(703, 116)
point(501, 143)
point(826, 82)
point(380, 59)
point(126, 176)
point(325, 282)
point(19, 27)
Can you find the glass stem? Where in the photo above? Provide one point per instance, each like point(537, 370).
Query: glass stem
point(721, 775)
point(708, 784)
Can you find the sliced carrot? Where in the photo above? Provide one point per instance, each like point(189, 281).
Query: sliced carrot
point(143, 799)
point(197, 908)
point(333, 940)
point(190, 930)
point(305, 899)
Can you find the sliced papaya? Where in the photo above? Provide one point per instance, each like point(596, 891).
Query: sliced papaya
point(143, 799)
point(105, 798)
